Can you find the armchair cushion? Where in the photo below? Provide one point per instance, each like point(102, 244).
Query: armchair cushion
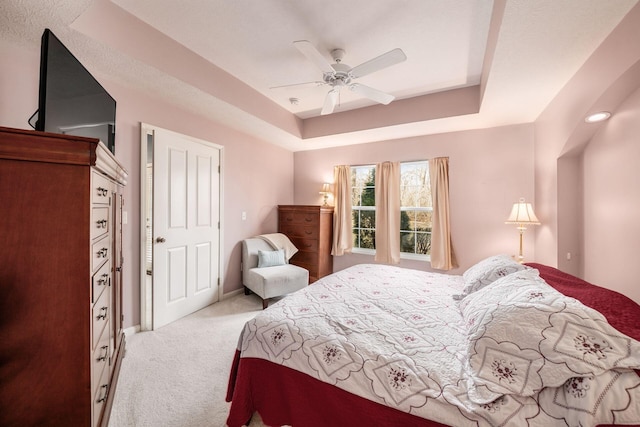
point(269, 282)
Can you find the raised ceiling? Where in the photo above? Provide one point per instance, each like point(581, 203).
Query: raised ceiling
point(470, 64)
point(253, 41)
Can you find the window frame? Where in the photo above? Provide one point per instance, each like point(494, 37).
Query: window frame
point(361, 208)
point(410, 255)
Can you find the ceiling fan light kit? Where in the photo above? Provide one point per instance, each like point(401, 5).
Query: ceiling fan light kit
point(340, 75)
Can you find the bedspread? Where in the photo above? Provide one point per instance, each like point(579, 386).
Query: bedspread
point(397, 337)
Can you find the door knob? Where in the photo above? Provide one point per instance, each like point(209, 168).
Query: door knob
point(160, 240)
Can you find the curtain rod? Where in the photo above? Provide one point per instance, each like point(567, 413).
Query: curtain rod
point(401, 161)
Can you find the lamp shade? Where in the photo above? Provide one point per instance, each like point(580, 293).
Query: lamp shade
point(522, 213)
point(326, 190)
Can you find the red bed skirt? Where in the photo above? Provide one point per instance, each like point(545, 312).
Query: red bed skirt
point(284, 396)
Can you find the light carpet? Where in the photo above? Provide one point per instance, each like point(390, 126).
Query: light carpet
point(177, 375)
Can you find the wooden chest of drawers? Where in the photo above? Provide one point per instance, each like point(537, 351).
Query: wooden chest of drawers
point(61, 333)
point(310, 229)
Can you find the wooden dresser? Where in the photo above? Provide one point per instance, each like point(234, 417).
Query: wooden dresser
point(310, 229)
point(61, 335)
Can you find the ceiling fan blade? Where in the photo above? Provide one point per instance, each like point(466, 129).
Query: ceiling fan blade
point(313, 55)
point(385, 60)
point(371, 93)
point(330, 102)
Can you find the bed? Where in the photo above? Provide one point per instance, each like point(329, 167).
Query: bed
point(501, 345)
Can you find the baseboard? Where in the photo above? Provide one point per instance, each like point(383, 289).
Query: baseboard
point(231, 294)
point(132, 330)
point(135, 329)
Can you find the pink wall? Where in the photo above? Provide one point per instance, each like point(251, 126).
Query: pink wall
point(611, 180)
point(602, 83)
point(489, 170)
point(581, 169)
point(570, 208)
point(257, 175)
point(19, 74)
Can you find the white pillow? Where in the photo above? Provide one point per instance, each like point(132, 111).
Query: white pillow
point(271, 258)
point(523, 336)
point(486, 272)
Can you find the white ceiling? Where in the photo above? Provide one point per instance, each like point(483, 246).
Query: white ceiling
point(252, 40)
point(539, 45)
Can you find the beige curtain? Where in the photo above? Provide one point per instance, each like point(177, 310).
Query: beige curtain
point(342, 220)
point(388, 212)
point(442, 255)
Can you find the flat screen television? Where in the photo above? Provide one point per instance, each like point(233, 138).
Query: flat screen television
point(71, 101)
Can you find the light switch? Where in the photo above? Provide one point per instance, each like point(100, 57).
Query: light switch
point(244, 216)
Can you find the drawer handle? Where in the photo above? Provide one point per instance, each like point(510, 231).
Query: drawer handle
point(101, 224)
point(106, 393)
point(289, 219)
point(308, 245)
point(102, 316)
point(308, 232)
point(102, 191)
point(106, 351)
point(308, 219)
point(102, 253)
point(103, 280)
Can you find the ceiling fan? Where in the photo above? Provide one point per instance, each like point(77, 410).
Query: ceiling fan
point(339, 75)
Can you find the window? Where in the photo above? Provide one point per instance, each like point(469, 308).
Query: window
point(416, 208)
point(415, 212)
point(363, 205)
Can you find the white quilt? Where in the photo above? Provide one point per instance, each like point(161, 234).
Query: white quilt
point(397, 337)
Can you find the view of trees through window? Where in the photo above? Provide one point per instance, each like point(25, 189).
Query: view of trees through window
point(363, 202)
point(416, 208)
point(415, 213)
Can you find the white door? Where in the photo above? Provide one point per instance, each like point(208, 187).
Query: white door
point(186, 234)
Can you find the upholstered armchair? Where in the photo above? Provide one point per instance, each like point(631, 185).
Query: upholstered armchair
point(267, 273)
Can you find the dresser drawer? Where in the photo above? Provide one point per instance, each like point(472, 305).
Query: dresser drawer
point(305, 258)
point(99, 318)
point(100, 280)
point(100, 393)
point(308, 245)
point(297, 217)
point(99, 221)
point(101, 188)
point(307, 231)
point(100, 358)
point(100, 252)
